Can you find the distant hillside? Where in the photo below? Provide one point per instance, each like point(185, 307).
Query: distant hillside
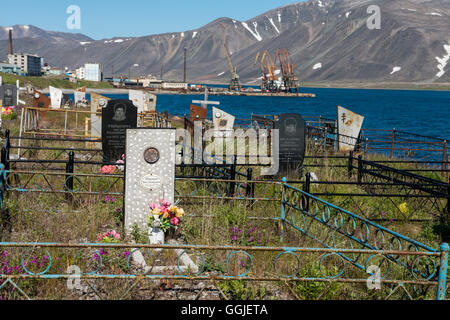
point(327, 39)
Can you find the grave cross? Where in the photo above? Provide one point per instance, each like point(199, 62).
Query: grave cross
point(204, 103)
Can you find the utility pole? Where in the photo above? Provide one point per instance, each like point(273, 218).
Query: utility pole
point(185, 54)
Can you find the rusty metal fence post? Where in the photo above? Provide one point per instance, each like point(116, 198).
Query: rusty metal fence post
point(444, 156)
point(393, 143)
point(443, 267)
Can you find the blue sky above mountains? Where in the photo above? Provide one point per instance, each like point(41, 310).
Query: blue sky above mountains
point(105, 19)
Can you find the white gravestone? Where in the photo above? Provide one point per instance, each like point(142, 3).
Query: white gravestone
point(56, 96)
point(79, 96)
point(97, 103)
point(349, 127)
point(223, 123)
point(149, 172)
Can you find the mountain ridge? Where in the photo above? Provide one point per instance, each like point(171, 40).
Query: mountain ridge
point(327, 39)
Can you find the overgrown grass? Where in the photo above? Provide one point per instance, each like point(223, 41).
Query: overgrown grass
point(47, 217)
point(54, 81)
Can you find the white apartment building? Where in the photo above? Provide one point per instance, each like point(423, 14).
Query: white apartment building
point(29, 63)
point(90, 72)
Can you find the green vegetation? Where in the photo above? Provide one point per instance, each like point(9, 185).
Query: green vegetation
point(54, 81)
point(79, 218)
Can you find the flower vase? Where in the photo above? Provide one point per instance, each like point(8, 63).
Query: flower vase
point(170, 234)
point(155, 234)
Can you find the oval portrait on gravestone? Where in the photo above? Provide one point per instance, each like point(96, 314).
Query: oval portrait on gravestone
point(151, 155)
point(120, 111)
point(290, 126)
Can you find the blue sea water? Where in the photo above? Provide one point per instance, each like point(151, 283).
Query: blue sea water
point(415, 111)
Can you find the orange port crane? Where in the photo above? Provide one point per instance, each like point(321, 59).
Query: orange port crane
point(234, 83)
point(287, 70)
point(267, 68)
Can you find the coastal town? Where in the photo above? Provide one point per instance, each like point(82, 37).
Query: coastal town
point(210, 171)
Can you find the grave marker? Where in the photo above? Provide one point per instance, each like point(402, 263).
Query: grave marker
point(8, 94)
point(204, 103)
point(349, 127)
point(198, 113)
point(150, 172)
point(223, 123)
point(144, 101)
point(40, 100)
point(79, 95)
point(117, 117)
point(292, 135)
point(98, 102)
point(56, 96)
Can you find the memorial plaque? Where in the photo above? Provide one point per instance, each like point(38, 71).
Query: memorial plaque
point(198, 113)
point(292, 135)
point(56, 97)
point(223, 123)
point(150, 172)
point(79, 94)
point(98, 102)
point(117, 117)
point(40, 100)
point(8, 94)
point(349, 127)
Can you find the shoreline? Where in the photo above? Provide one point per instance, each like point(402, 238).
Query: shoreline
point(314, 85)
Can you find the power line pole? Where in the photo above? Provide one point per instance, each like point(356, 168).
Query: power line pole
point(185, 54)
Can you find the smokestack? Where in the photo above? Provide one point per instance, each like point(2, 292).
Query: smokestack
point(10, 47)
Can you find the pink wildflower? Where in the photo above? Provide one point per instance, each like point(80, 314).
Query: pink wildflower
point(107, 169)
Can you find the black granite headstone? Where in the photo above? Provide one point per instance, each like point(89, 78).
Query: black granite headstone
point(292, 133)
point(8, 94)
point(117, 117)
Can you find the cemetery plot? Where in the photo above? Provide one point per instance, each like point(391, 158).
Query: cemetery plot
point(238, 226)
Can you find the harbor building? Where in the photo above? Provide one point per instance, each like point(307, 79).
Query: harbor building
point(10, 68)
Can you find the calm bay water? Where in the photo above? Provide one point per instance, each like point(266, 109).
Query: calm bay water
point(422, 112)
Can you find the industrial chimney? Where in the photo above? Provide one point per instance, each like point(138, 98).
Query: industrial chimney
point(10, 48)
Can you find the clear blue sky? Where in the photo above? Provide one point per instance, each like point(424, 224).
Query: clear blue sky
point(105, 19)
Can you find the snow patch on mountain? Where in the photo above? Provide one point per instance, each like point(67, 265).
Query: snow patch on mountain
point(396, 69)
point(256, 35)
point(317, 66)
point(273, 24)
point(443, 61)
point(194, 34)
